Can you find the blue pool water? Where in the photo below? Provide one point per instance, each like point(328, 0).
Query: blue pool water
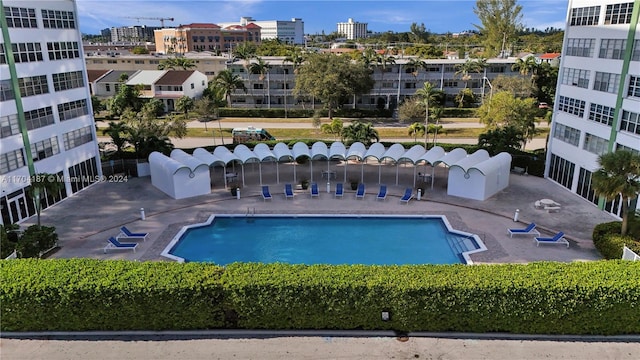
point(324, 240)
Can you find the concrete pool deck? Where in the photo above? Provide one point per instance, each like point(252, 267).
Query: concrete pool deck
point(85, 221)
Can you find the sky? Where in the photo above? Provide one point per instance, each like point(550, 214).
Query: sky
point(396, 16)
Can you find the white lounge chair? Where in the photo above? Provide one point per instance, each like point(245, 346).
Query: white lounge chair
point(339, 190)
point(127, 235)
point(529, 230)
point(288, 191)
point(266, 195)
point(360, 191)
point(382, 194)
point(557, 239)
point(117, 245)
point(408, 195)
point(314, 190)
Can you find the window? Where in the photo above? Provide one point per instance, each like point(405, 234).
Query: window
point(387, 85)
point(6, 91)
point(635, 55)
point(576, 77)
point(567, 134)
point(97, 61)
point(138, 61)
point(450, 83)
point(410, 85)
point(107, 87)
point(584, 186)
point(612, 48)
point(83, 174)
point(561, 170)
point(69, 80)
point(45, 148)
point(634, 86)
point(602, 114)
point(58, 19)
point(63, 50)
point(571, 106)
point(11, 161)
point(73, 109)
point(20, 17)
point(630, 122)
point(9, 125)
point(580, 47)
point(595, 144)
point(33, 85)
point(39, 117)
point(112, 61)
point(618, 14)
point(497, 69)
point(585, 16)
point(606, 82)
point(258, 86)
point(193, 86)
point(22, 52)
point(77, 137)
point(626, 148)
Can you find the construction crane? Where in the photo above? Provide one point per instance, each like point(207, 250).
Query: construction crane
point(150, 18)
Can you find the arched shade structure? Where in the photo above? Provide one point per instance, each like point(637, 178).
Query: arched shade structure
point(394, 153)
point(227, 156)
point(339, 151)
point(452, 157)
point(282, 153)
point(300, 150)
point(356, 152)
point(210, 160)
point(192, 162)
point(375, 151)
point(479, 176)
point(319, 151)
point(264, 154)
point(177, 179)
point(246, 156)
point(430, 157)
point(413, 156)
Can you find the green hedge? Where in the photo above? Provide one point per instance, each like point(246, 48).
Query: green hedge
point(609, 242)
point(539, 298)
point(302, 113)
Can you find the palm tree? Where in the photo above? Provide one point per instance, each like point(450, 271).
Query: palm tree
point(382, 61)
point(229, 82)
point(43, 184)
point(335, 128)
point(416, 64)
point(416, 129)
point(428, 95)
point(116, 130)
point(526, 66)
point(435, 115)
point(262, 69)
point(359, 131)
point(176, 62)
point(245, 51)
point(185, 104)
point(619, 175)
point(294, 57)
point(466, 68)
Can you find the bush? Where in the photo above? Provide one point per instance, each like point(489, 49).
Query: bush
point(609, 242)
point(36, 240)
point(538, 298)
point(303, 113)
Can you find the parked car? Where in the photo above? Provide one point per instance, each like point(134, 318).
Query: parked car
point(543, 105)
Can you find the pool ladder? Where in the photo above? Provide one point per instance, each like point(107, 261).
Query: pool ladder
point(251, 213)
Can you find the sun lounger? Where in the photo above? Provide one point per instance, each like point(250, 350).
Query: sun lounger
point(557, 239)
point(314, 190)
point(266, 195)
point(288, 191)
point(382, 193)
point(408, 195)
point(125, 234)
point(529, 230)
point(360, 191)
point(339, 190)
point(117, 245)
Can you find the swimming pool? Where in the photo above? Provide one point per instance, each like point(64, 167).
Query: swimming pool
point(322, 239)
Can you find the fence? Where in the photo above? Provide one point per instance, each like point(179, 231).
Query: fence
point(128, 167)
point(628, 254)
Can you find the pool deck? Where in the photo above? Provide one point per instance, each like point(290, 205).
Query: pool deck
point(85, 221)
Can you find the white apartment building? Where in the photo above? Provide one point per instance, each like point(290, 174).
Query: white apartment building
point(46, 119)
point(597, 105)
point(290, 32)
point(353, 30)
point(136, 33)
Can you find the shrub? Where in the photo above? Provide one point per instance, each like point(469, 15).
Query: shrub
point(609, 242)
point(36, 240)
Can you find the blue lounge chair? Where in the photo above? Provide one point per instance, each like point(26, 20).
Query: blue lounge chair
point(382, 193)
point(125, 234)
point(288, 191)
point(529, 230)
point(314, 190)
point(339, 190)
point(117, 245)
point(360, 191)
point(266, 195)
point(408, 195)
point(557, 239)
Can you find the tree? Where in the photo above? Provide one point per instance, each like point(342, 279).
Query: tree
point(335, 128)
point(418, 33)
point(415, 129)
point(185, 104)
point(176, 62)
point(126, 98)
point(383, 60)
point(465, 98)
point(261, 68)
point(526, 66)
point(518, 86)
point(139, 50)
point(332, 79)
point(427, 96)
point(411, 110)
point(362, 132)
point(500, 22)
point(618, 175)
point(245, 51)
point(43, 184)
point(117, 131)
point(469, 66)
point(229, 82)
point(506, 110)
point(148, 133)
point(497, 140)
point(97, 105)
point(153, 108)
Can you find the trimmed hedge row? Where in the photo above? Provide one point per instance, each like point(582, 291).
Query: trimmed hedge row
point(303, 113)
point(609, 242)
point(539, 298)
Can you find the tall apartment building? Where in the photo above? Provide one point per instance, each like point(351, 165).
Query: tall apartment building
point(290, 32)
point(353, 30)
point(135, 33)
point(597, 105)
point(204, 37)
point(46, 120)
